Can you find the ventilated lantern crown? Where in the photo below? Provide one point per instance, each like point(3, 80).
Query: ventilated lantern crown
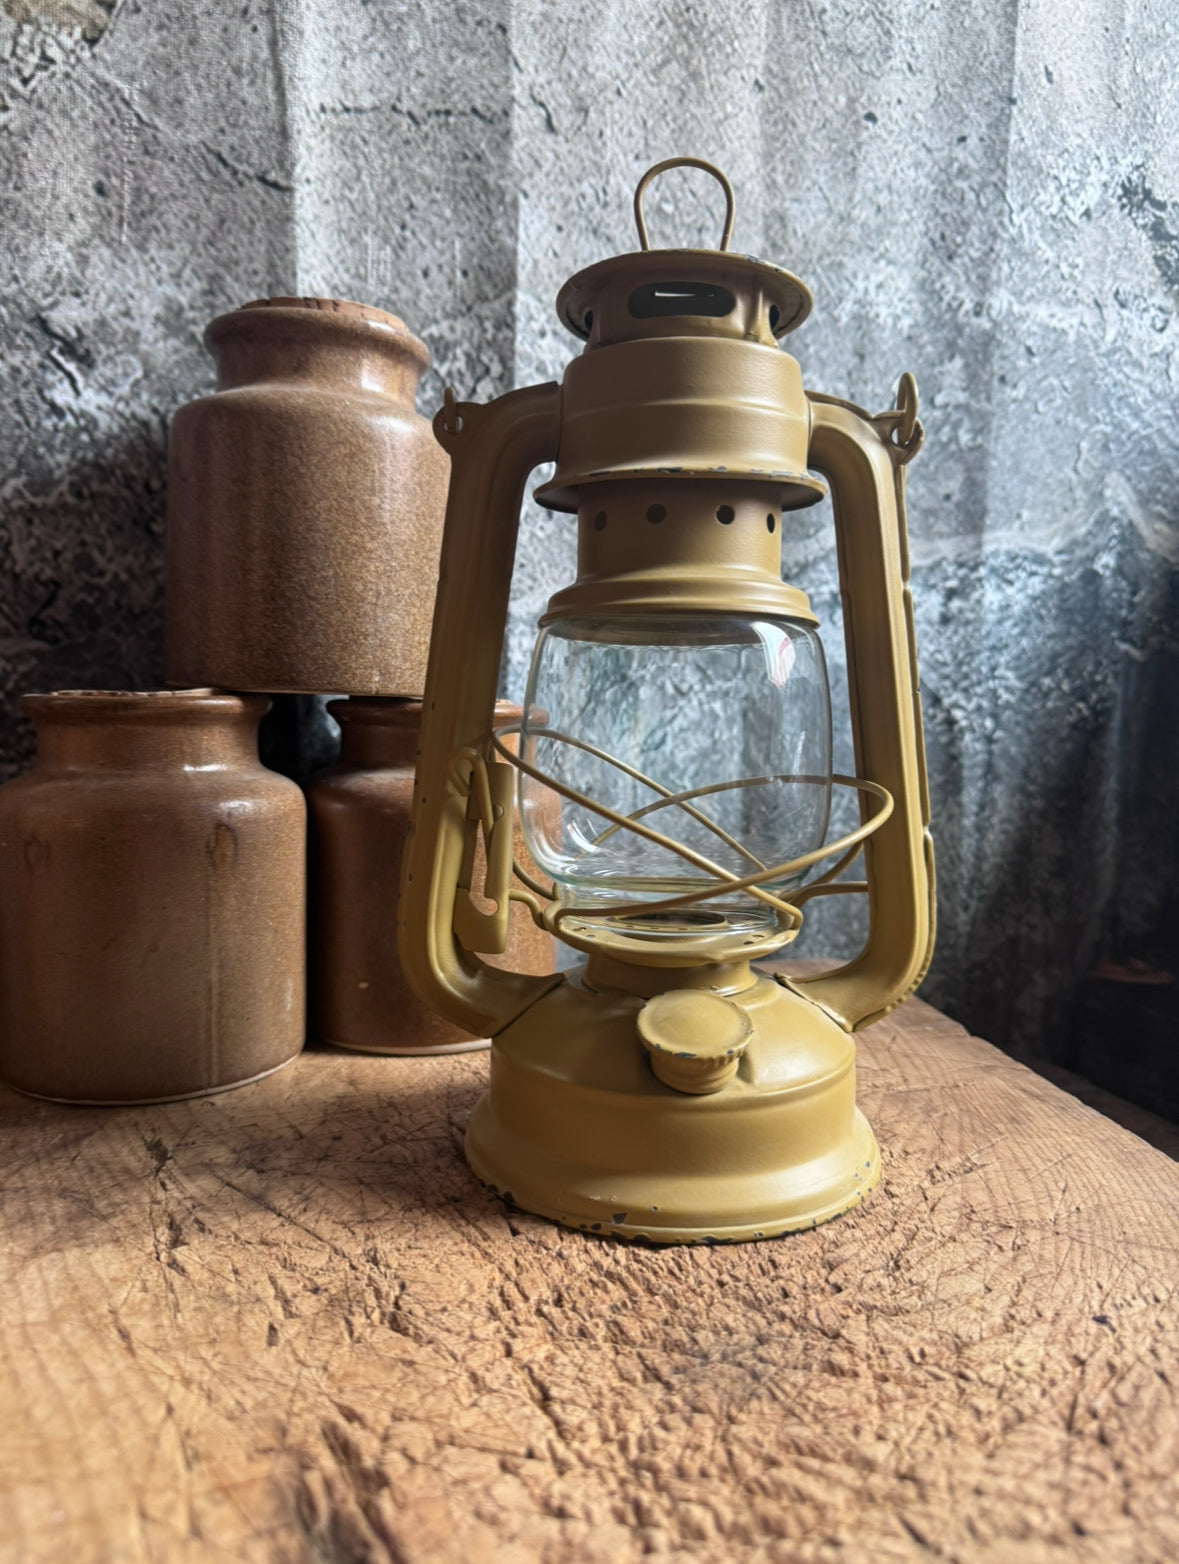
point(682, 376)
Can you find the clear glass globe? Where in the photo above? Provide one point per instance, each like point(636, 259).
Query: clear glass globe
point(713, 729)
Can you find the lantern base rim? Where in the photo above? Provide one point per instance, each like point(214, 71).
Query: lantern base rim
point(575, 1126)
point(645, 1233)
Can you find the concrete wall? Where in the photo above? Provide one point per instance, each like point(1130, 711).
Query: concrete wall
point(983, 195)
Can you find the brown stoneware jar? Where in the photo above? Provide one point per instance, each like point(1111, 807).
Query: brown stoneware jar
point(305, 507)
point(151, 900)
point(360, 814)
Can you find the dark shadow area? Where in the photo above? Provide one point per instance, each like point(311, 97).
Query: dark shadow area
point(1124, 1026)
point(297, 737)
point(1124, 1031)
point(1068, 828)
point(82, 602)
point(81, 582)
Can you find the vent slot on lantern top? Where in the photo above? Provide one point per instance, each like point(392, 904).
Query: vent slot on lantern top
point(679, 298)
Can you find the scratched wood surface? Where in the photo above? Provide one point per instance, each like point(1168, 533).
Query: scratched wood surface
point(285, 1325)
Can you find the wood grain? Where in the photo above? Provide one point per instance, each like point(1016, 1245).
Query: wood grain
point(285, 1325)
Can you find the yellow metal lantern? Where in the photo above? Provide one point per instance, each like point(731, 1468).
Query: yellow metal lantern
point(674, 764)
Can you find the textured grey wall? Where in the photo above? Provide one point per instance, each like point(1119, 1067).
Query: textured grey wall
point(983, 195)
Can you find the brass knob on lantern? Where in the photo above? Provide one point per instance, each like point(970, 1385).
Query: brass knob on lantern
point(695, 1039)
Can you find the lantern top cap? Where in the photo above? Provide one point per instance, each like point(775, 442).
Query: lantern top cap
point(681, 292)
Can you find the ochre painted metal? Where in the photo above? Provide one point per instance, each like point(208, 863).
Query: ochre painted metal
point(865, 460)
point(360, 811)
point(626, 565)
point(151, 900)
point(577, 1127)
point(501, 444)
point(616, 1104)
point(305, 505)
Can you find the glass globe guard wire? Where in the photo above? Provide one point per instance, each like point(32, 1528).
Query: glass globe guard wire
point(554, 916)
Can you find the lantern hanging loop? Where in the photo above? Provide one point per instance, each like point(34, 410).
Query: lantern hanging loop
point(900, 425)
point(684, 162)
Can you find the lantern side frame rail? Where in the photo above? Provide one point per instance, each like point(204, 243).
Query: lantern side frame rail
point(864, 458)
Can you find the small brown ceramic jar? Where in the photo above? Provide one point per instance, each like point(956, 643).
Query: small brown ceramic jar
point(360, 813)
point(151, 900)
point(305, 506)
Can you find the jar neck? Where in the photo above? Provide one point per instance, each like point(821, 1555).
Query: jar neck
point(92, 730)
point(319, 343)
point(377, 734)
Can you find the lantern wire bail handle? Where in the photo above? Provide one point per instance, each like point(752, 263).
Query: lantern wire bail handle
point(684, 162)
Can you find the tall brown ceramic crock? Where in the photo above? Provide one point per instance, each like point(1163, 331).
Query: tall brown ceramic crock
point(151, 900)
point(305, 507)
point(360, 814)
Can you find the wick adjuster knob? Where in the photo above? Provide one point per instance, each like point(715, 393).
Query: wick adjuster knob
point(695, 1039)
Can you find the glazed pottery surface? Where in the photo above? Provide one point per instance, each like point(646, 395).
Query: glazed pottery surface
point(152, 900)
point(305, 507)
point(360, 813)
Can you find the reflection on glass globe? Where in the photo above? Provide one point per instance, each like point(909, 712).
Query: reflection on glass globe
point(714, 730)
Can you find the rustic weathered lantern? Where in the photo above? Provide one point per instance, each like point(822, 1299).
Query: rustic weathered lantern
point(675, 764)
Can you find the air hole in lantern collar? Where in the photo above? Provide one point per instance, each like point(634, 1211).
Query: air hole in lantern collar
point(679, 298)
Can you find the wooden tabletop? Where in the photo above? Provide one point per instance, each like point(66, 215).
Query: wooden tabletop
point(285, 1324)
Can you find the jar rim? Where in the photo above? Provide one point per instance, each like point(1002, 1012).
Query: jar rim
point(403, 711)
point(308, 320)
point(88, 705)
point(395, 711)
